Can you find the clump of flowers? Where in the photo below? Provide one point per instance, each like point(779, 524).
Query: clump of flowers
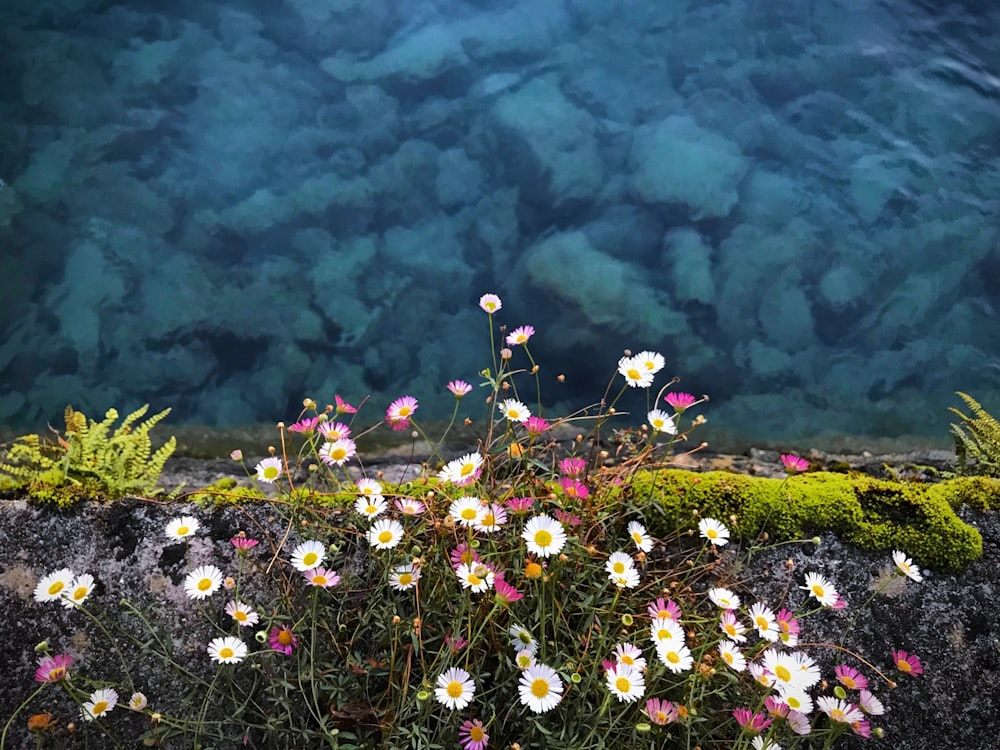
point(504, 593)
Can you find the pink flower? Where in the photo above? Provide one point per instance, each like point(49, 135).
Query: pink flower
point(283, 639)
point(573, 488)
point(660, 711)
point(324, 578)
point(343, 407)
point(306, 425)
point(680, 401)
point(850, 678)
point(520, 335)
point(793, 464)
point(908, 663)
point(535, 426)
point(456, 644)
point(236, 455)
point(505, 593)
point(564, 516)
point(775, 707)
point(463, 555)
point(459, 388)
point(788, 626)
point(668, 609)
point(490, 303)
point(798, 722)
point(243, 544)
point(572, 466)
point(399, 412)
point(472, 735)
point(53, 668)
point(861, 728)
point(520, 504)
point(751, 722)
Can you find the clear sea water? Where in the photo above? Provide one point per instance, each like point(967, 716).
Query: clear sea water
point(224, 207)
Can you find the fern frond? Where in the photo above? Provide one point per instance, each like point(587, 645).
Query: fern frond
point(977, 439)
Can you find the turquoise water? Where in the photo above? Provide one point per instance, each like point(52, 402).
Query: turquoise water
point(225, 207)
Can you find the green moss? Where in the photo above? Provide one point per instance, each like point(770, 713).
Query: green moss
point(869, 513)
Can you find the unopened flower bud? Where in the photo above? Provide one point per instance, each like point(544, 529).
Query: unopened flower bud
point(878, 732)
point(280, 425)
point(42, 647)
point(506, 353)
point(271, 450)
point(817, 541)
point(561, 378)
point(236, 455)
point(396, 619)
point(308, 403)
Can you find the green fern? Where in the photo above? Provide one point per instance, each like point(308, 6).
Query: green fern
point(977, 440)
point(90, 458)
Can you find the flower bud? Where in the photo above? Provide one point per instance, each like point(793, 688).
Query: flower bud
point(817, 541)
point(236, 455)
point(42, 648)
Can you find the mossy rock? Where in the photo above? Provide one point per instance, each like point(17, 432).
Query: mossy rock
point(870, 513)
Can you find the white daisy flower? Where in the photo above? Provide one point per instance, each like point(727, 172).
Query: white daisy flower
point(243, 614)
point(626, 683)
point(732, 656)
point(723, 598)
point(227, 650)
point(268, 470)
point(660, 421)
point(795, 697)
point(619, 562)
point(334, 431)
point(635, 372)
point(54, 585)
point(370, 506)
point(385, 534)
point(540, 688)
point(791, 668)
point(455, 688)
point(821, 589)
point(404, 577)
point(466, 510)
point(514, 410)
point(524, 659)
point(409, 507)
point(760, 675)
point(100, 704)
point(906, 566)
point(369, 487)
point(627, 580)
point(182, 527)
point(714, 531)
point(627, 653)
point(476, 577)
point(492, 518)
point(676, 657)
point(653, 362)
point(462, 470)
point(203, 581)
point(137, 702)
point(338, 452)
point(870, 704)
point(521, 638)
point(763, 619)
point(79, 590)
point(640, 536)
point(665, 629)
point(760, 743)
point(839, 710)
point(732, 627)
point(308, 555)
point(544, 535)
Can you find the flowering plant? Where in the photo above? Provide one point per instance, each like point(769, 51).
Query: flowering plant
point(492, 599)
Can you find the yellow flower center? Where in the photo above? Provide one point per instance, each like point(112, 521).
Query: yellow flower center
point(226, 653)
point(619, 568)
point(474, 580)
point(818, 591)
point(793, 702)
point(239, 615)
point(540, 688)
point(848, 682)
point(385, 537)
point(310, 559)
point(56, 587)
point(838, 715)
point(319, 580)
point(626, 659)
point(543, 538)
point(405, 579)
point(673, 657)
point(634, 374)
point(79, 593)
point(712, 534)
point(467, 469)
point(637, 537)
point(204, 584)
point(476, 734)
point(404, 411)
point(454, 689)
point(371, 510)
point(100, 707)
point(532, 570)
point(728, 657)
point(182, 531)
point(730, 629)
point(664, 635)
point(623, 685)
point(761, 623)
point(489, 520)
point(338, 454)
point(271, 472)
point(469, 514)
point(904, 665)
point(285, 637)
point(783, 673)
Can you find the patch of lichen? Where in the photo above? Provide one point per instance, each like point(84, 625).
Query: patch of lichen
point(869, 513)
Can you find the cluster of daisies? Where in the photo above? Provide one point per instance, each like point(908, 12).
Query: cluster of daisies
point(55, 668)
